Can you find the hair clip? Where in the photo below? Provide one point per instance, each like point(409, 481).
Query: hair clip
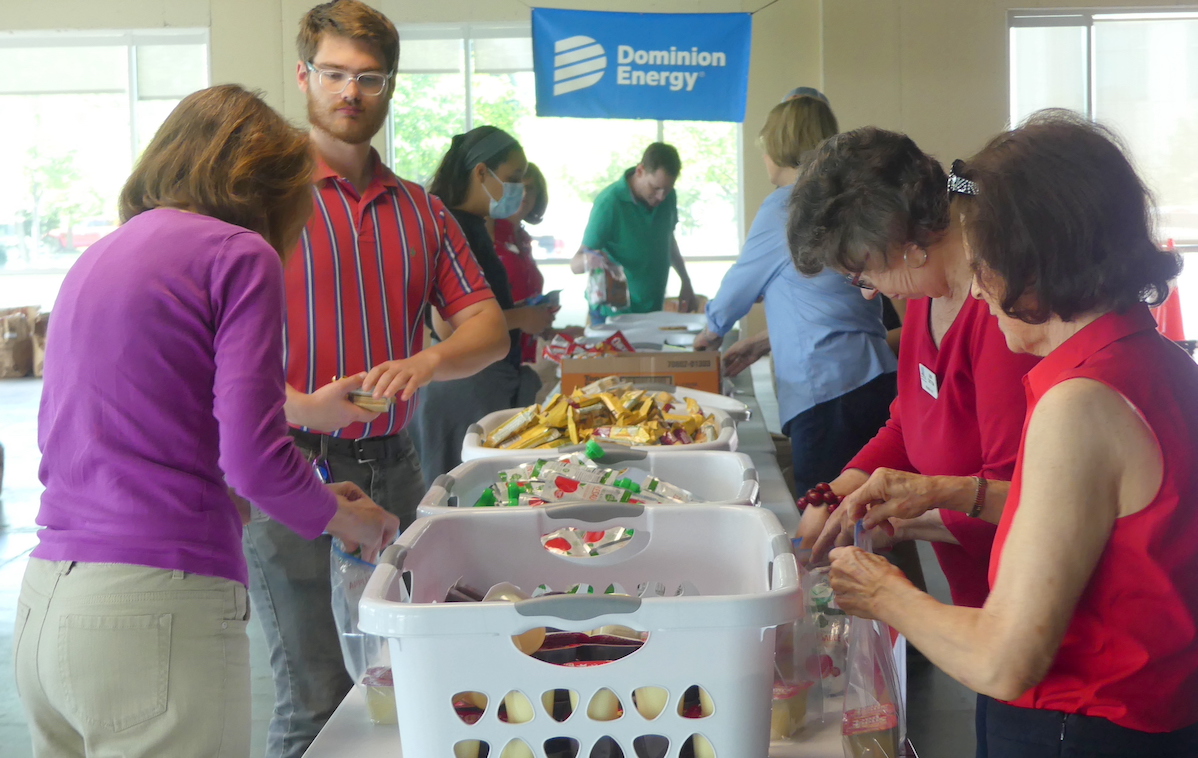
point(959, 184)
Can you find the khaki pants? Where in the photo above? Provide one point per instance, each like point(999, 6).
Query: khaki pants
point(119, 660)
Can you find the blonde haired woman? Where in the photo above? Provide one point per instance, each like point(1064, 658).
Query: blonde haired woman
point(834, 370)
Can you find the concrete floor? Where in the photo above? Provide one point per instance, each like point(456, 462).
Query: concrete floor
point(940, 711)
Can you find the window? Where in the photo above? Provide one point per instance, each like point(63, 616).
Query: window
point(78, 109)
point(453, 78)
point(1136, 72)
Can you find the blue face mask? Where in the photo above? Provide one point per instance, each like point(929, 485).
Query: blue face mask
point(508, 203)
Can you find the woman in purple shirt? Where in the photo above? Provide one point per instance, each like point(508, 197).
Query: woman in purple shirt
point(164, 393)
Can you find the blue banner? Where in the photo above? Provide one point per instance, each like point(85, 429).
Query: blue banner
point(666, 66)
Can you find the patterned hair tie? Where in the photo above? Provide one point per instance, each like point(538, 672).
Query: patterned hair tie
point(958, 184)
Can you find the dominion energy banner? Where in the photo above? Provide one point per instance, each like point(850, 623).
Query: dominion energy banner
point(663, 66)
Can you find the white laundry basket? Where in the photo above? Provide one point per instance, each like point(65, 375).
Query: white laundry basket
point(473, 447)
point(722, 639)
point(710, 475)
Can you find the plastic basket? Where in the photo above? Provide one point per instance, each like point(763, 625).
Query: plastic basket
point(722, 639)
point(473, 447)
point(710, 475)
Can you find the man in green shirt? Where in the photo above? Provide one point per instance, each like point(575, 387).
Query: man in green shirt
point(632, 224)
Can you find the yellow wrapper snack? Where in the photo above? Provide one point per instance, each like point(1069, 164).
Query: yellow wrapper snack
point(554, 413)
point(514, 426)
point(618, 413)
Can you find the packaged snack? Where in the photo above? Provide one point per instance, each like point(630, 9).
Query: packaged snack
point(513, 426)
point(367, 400)
point(642, 482)
point(379, 684)
point(536, 436)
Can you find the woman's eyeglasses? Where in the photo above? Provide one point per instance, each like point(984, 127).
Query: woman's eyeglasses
point(857, 281)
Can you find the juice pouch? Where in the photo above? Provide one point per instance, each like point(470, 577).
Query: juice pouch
point(874, 723)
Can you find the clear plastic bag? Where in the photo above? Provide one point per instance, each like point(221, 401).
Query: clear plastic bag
point(361, 651)
point(607, 283)
point(798, 688)
point(874, 723)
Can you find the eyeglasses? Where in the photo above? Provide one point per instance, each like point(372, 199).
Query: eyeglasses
point(860, 283)
point(334, 82)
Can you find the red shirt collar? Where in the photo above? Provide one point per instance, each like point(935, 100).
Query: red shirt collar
point(382, 174)
point(1108, 328)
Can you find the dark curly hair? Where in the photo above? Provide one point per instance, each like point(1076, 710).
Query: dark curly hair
point(1062, 224)
point(864, 192)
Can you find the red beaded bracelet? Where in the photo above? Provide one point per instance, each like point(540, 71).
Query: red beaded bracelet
point(821, 494)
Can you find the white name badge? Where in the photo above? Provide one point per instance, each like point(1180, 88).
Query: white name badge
point(928, 379)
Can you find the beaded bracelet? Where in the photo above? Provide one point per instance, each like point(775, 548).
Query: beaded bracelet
point(821, 494)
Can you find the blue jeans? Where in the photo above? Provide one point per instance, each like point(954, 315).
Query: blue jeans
point(292, 595)
point(1013, 732)
point(827, 436)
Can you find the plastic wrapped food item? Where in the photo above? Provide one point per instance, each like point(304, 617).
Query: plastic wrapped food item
point(367, 400)
point(380, 695)
point(536, 436)
point(513, 426)
point(642, 482)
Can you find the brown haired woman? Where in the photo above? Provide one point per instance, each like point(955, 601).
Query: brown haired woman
point(1090, 633)
point(163, 390)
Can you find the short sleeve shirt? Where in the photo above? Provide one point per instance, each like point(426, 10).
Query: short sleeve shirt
point(366, 269)
point(637, 237)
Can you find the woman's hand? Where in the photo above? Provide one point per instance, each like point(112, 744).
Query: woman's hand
point(745, 353)
point(708, 340)
point(816, 517)
point(328, 408)
point(402, 377)
point(360, 523)
point(861, 580)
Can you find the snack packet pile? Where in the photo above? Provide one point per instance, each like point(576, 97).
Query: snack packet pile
point(606, 409)
point(565, 346)
point(576, 478)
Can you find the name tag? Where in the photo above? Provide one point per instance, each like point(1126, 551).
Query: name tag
point(928, 379)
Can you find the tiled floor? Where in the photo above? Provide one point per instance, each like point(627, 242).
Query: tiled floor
point(940, 710)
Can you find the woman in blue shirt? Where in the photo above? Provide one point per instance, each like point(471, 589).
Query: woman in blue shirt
point(835, 372)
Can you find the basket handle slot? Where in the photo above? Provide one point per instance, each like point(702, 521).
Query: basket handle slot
point(593, 513)
point(577, 607)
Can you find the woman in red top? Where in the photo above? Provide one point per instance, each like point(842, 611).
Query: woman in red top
point(514, 247)
point(1090, 632)
point(870, 202)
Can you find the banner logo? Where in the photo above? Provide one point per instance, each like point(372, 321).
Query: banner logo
point(665, 66)
point(578, 63)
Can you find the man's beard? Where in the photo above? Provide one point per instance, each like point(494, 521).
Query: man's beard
point(353, 132)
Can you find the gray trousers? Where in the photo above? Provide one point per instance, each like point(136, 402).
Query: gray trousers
point(447, 409)
point(291, 594)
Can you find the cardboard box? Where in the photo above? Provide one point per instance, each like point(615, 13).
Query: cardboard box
point(40, 325)
point(694, 370)
point(16, 341)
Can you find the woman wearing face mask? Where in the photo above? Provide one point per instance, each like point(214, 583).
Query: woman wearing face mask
point(480, 177)
point(514, 247)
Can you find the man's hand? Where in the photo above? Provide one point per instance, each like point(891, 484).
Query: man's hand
point(687, 302)
point(328, 408)
point(708, 340)
point(745, 353)
point(403, 377)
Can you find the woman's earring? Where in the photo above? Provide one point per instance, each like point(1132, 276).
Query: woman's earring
point(907, 257)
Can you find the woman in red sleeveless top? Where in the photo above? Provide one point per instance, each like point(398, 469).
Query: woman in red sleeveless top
point(1089, 638)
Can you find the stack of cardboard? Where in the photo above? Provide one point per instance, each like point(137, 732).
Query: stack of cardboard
point(17, 341)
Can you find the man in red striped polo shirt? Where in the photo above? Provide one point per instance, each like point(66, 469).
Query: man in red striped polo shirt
point(377, 252)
